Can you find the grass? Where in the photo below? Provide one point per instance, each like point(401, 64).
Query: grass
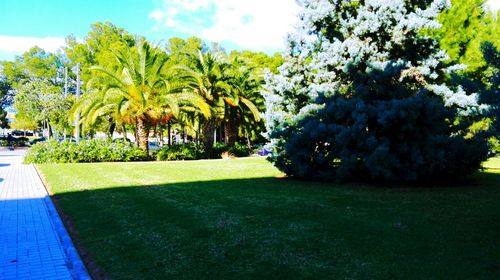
point(240, 219)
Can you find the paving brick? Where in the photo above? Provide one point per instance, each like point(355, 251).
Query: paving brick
point(29, 245)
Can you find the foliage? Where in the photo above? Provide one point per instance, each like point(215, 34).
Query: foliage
point(34, 65)
point(183, 151)
point(465, 26)
point(259, 61)
point(490, 91)
point(33, 82)
point(239, 150)
point(192, 151)
point(227, 89)
point(97, 47)
point(84, 151)
point(23, 123)
point(13, 141)
point(39, 101)
point(4, 122)
point(361, 96)
point(137, 92)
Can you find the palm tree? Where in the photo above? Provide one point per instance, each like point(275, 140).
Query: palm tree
point(205, 76)
point(210, 76)
point(140, 91)
point(241, 107)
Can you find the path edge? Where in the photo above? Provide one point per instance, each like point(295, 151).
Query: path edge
point(75, 263)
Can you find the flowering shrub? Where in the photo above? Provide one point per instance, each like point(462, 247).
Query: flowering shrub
point(85, 151)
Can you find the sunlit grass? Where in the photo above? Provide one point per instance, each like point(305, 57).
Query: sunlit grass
point(492, 163)
point(241, 219)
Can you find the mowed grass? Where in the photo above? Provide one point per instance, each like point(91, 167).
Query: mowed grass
point(240, 219)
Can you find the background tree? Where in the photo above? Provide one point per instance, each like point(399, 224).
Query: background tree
point(97, 47)
point(41, 102)
point(362, 95)
point(24, 123)
point(465, 26)
point(5, 100)
point(32, 82)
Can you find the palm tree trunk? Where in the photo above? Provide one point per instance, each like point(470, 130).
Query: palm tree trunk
point(112, 127)
point(161, 134)
point(142, 134)
point(231, 131)
point(208, 137)
point(169, 133)
point(124, 132)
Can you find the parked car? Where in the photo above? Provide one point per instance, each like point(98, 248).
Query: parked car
point(61, 139)
point(36, 140)
point(21, 133)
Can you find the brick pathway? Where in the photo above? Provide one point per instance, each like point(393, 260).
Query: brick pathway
point(30, 241)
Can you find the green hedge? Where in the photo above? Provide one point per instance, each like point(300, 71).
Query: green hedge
point(180, 152)
point(13, 142)
point(191, 151)
point(85, 151)
point(239, 150)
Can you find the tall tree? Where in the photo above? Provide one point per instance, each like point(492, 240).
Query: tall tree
point(33, 83)
point(361, 96)
point(205, 76)
point(41, 102)
point(465, 26)
point(242, 114)
point(211, 76)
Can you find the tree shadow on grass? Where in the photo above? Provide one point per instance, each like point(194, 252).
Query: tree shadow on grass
point(283, 228)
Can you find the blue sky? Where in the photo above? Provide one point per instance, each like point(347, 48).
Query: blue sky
point(237, 24)
point(259, 25)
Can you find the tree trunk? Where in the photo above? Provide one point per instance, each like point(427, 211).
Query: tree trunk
point(136, 137)
point(231, 132)
point(169, 133)
point(208, 137)
point(112, 127)
point(155, 131)
point(142, 134)
point(124, 133)
point(249, 144)
point(161, 135)
point(49, 128)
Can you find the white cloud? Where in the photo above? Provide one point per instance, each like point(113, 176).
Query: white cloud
point(18, 45)
point(256, 24)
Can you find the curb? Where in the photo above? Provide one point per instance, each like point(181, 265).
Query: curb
point(73, 260)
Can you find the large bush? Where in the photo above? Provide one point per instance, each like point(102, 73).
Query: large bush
point(180, 152)
point(363, 95)
point(84, 151)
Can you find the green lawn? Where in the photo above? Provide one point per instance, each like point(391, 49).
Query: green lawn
point(239, 219)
